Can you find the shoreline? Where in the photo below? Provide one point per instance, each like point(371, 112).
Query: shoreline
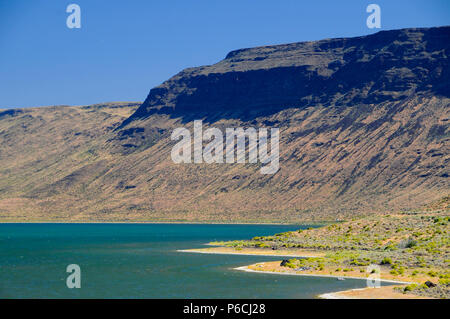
point(219, 250)
point(383, 292)
point(199, 251)
point(246, 269)
point(369, 293)
point(155, 222)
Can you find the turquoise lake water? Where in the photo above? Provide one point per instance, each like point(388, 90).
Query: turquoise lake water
point(141, 261)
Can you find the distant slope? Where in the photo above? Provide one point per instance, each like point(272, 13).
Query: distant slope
point(364, 129)
point(49, 154)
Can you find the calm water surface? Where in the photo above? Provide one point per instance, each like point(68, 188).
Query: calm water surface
point(141, 261)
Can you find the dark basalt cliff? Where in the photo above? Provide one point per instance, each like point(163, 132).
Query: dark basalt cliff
point(386, 66)
point(364, 129)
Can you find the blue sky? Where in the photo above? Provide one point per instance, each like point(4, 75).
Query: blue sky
point(124, 48)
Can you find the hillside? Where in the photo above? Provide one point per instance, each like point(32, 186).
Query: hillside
point(364, 128)
point(49, 154)
point(407, 247)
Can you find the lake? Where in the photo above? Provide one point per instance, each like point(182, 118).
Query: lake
point(141, 261)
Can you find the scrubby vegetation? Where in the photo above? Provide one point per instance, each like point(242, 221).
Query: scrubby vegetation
point(410, 246)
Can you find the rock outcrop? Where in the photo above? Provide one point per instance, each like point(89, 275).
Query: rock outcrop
point(386, 66)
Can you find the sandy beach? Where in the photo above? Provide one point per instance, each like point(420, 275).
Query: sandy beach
point(255, 252)
point(273, 267)
point(386, 292)
point(251, 268)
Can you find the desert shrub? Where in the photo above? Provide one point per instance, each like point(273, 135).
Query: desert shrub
point(432, 273)
point(358, 262)
point(411, 243)
point(261, 245)
point(291, 263)
point(410, 287)
point(386, 261)
point(348, 269)
point(236, 245)
point(444, 281)
point(407, 243)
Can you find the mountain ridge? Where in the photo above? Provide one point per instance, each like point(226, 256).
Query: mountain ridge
point(364, 129)
point(291, 75)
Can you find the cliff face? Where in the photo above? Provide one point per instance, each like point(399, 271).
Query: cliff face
point(387, 66)
point(364, 128)
point(364, 124)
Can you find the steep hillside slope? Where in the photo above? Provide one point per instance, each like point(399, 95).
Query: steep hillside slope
point(364, 128)
point(49, 154)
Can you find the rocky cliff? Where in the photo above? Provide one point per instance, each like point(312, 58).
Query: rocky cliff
point(386, 66)
point(364, 129)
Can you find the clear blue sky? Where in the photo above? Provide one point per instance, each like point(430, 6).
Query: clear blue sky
point(124, 48)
